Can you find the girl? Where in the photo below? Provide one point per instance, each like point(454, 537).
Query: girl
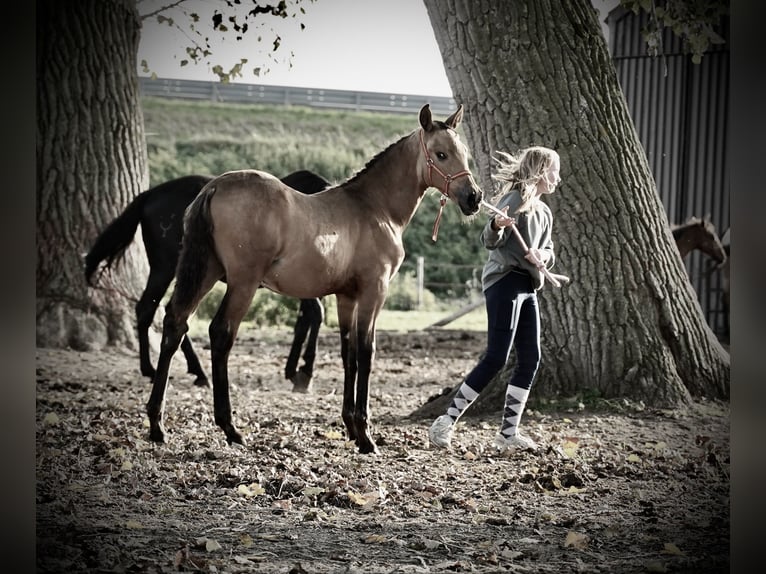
point(510, 281)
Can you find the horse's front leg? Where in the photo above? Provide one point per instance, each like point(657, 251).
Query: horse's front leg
point(365, 358)
point(346, 320)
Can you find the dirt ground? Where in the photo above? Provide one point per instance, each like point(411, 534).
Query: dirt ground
point(610, 490)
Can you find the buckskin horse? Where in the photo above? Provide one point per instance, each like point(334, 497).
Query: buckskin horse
point(160, 211)
point(252, 229)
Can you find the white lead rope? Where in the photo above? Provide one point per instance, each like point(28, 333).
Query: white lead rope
point(552, 277)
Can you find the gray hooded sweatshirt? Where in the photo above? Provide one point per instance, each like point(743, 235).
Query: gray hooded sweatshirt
point(505, 252)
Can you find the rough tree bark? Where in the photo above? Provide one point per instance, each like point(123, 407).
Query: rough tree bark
point(91, 161)
point(629, 325)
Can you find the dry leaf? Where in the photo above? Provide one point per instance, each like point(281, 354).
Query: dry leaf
point(570, 447)
point(357, 499)
point(133, 524)
point(576, 540)
point(374, 539)
point(671, 548)
point(51, 419)
point(313, 490)
point(250, 490)
point(212, 545)
point(634, 458)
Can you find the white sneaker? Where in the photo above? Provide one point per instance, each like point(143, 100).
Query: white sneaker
point(516, 442)
point(440, 433)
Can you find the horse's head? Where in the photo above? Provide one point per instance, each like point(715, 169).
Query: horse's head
point(446, 160)
point(711, 244)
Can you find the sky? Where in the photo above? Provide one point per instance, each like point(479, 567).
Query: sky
point(359, 45)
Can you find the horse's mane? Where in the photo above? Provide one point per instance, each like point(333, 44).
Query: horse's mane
point(376, 158)
point(679, 228)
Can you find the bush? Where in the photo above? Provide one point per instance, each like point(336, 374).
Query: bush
point(267, 309)
point(403, 294)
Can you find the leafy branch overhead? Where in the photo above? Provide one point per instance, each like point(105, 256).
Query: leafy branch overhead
point(234, 18)
point(694, 21)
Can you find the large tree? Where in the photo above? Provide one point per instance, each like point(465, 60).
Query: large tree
point(539, 72)
point(91, 161)
point(91, 151)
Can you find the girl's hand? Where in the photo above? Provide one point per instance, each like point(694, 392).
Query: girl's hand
point(503, 220)
point(535, 257)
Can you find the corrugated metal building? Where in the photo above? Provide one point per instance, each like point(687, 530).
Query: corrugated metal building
point(681, 113)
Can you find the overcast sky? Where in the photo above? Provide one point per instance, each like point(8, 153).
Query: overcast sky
point(362, 45)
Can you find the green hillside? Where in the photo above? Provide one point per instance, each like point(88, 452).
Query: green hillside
point(187, 137)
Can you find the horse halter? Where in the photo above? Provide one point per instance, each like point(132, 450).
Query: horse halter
point(448, 178)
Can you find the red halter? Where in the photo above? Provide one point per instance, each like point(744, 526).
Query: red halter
point(448, 178)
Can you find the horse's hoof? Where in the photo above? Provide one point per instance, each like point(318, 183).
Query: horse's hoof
point(201, 381)
point(233, 436)
point(301, 382)
point(156, 434)
point(368, 448)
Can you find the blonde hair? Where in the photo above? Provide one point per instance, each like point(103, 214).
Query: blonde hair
point(523, 171)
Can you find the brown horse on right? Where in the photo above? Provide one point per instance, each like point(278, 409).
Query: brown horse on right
point(251, 229)
point(700, 234)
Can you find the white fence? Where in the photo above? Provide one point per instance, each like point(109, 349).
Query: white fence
point(285, 95)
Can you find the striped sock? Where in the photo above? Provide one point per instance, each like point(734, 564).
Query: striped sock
point(463, 398)
point(515, 400)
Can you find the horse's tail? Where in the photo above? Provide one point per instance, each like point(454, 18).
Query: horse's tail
point(196, 248)
point(111, 243)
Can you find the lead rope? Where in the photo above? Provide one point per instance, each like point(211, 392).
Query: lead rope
point(435, 231)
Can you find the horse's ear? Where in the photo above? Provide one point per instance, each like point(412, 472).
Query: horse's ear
point(454, 120)
point(425, 117)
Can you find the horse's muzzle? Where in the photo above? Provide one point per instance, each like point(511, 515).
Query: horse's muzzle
point(469, 197)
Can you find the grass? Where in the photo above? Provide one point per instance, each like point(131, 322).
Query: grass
point(404, 321)
point(398, 321)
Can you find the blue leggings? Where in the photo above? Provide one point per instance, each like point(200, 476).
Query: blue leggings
point(513, 320)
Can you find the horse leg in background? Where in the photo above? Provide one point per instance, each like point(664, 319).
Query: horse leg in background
point(299, 336)
point(223, 331)
point(310, 318)
point(193, 365)
point(156, 286)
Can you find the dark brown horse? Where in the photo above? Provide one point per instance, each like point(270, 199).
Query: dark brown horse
point(159, 211)
point(250, 228)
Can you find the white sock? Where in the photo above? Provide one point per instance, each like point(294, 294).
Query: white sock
point(515, 401)
point(463, 398)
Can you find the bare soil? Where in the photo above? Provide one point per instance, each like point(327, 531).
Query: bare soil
point(613, 490)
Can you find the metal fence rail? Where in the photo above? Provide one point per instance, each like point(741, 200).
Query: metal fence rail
point(285, 95)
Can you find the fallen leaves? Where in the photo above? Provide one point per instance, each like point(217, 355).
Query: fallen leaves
point(605, 492)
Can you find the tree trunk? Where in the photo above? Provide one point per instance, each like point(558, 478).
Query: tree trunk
point(629, 325)
point(91, 161)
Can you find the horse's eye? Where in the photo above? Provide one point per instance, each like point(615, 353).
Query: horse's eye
point(440, 155)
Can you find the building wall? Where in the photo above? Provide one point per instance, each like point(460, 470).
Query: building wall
point(680, 111)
